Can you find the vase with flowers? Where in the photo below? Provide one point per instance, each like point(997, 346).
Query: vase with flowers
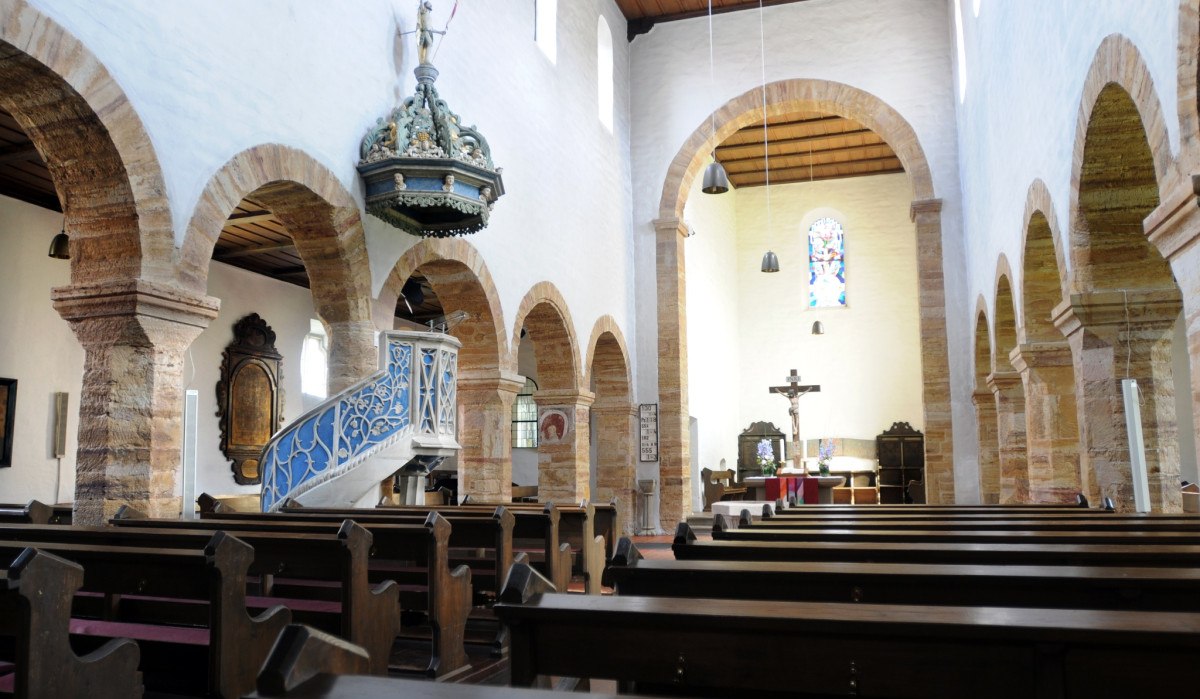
point(766, 457)
point(824, 456)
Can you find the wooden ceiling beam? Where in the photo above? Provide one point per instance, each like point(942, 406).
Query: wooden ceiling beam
point(818, 178)
point(18, 152)
point(809, 153)
point(289, 271)
point(249, 217)
point(801, 174)
point(800, 141)
point(643, 24)
point(258, 250)
point(754, 129)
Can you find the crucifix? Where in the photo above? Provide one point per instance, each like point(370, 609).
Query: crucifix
point(793, 391)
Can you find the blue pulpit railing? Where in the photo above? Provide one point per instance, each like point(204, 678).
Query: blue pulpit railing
point(406, 409)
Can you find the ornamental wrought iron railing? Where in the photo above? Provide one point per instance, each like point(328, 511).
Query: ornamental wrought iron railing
point(407, 409)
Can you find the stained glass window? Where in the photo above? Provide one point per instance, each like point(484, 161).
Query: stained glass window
point(826, 264)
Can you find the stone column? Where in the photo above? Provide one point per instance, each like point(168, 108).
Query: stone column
point(563, 474)
point(485, 434)
point(615, 468)
point(135, 335)
point(935, 365)
point(1010, 431)
point(1114, 335)
point(353, 354)
point(1051, 422)
point(989, 457)
point(674, 449)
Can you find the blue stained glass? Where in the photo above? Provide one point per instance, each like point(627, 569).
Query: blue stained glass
point(826, 264)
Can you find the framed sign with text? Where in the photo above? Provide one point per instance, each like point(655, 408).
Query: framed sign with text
point(648, 432)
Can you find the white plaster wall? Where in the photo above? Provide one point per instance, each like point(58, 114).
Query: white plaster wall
point(713, 326)
point(211, 79)
point(38, 349)
point(1026, 65)
point(901, 55)
point(868, 361)
point(1182, 373)
point(288, 309)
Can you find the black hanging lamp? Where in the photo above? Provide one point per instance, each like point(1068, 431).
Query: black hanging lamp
point(818, 328)
point(715, 179)
point(60, 247)
point(770, 262)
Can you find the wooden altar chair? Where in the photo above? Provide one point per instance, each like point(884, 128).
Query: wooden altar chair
point(718, 486)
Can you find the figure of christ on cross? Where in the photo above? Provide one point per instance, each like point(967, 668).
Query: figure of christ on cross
point(792, 392)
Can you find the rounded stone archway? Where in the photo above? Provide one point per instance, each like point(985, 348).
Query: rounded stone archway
point(783, 97)
point(613, 418)
point(985, 409)
point(1043, 358)
point(323, 220)
point(487, 377)
point(1005, 384)
point(1120, 315)
point(563, 404)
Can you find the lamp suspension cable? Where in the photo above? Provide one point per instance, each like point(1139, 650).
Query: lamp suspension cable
point(762, 43)
point(716, 180)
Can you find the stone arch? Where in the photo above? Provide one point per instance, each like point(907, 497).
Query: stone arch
point(100, 157)
point(1043, 357)
point(1122, 162)
point(563, 402)
point(323, 219)
point(609, 378)
point(487, 382)
point(1005, 383)
point(985, 409)
point(785, 96)
point(1188, 68)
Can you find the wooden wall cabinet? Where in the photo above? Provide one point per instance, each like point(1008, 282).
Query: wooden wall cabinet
point(901, 454)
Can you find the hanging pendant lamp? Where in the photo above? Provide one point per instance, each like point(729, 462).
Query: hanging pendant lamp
point(770, 262)
point(818, 328)
point(60, 247)
point(715, 179)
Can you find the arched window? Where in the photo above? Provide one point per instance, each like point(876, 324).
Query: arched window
point(524, 418)
point(314, 362)
point(604, 72)
point(544, 27)
point(826, 264)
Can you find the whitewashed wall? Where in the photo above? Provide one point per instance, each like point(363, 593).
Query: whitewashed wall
point(868, 361)
point(1026, 63)
point(38, 349)
point(901, 55)
point(210, 79)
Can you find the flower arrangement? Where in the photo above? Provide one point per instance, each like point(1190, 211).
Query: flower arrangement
point(766, 457)
point(824, 455)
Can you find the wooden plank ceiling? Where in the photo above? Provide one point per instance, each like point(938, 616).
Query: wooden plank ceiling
point(23, 174)
point(642, 15)
point(804, 146)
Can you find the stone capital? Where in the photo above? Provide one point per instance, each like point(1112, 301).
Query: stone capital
point(119, 312)
point(1032, 355)
point(924, 211)
point(578, 398)
point(1175, 225)
point(666, 226)
point(1004, 381)
point(983, 398)
point(1116, 310)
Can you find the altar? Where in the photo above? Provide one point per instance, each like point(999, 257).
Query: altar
point(807, 489)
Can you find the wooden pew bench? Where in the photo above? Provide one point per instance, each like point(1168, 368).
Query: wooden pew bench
point(719, 485)
point(36, 590)
point(220, 656)
point(32, 512)
point(1095, 524)
point(686, 547)
point(1080, 587)
point(295, 569)
point(683, 645)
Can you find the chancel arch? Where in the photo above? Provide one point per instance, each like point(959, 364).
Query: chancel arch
point(453, 271)
point(1124, 303)
point(1005, 384)
point(563, 403)
point(122, 304)
point(1043, 358)
point(612, 418)
point(320, 228)
point(783, 97)
point(985, 409)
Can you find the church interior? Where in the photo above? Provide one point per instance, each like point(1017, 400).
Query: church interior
point(637, 347)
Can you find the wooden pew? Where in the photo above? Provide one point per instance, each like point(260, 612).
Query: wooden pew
point(1106, 523)
point(370, 618)
point(222, 656)
point(1079, 587)
point(719, 485)
point(683, 645)
point(36, 591)
point(686, 547)
point(32, 512)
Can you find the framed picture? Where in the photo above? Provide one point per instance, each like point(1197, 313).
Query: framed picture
point(8, 413)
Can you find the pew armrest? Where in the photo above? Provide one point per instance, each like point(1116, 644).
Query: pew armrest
point(523, 583)
point(302, 653)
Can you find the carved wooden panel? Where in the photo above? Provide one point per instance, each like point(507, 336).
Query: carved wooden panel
point(249, 398)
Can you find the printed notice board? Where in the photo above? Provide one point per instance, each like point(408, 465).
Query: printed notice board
point(648, 432)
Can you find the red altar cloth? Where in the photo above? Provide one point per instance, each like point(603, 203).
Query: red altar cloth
point(803, 487)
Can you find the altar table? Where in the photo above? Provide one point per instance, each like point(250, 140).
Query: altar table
point(772, 488)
